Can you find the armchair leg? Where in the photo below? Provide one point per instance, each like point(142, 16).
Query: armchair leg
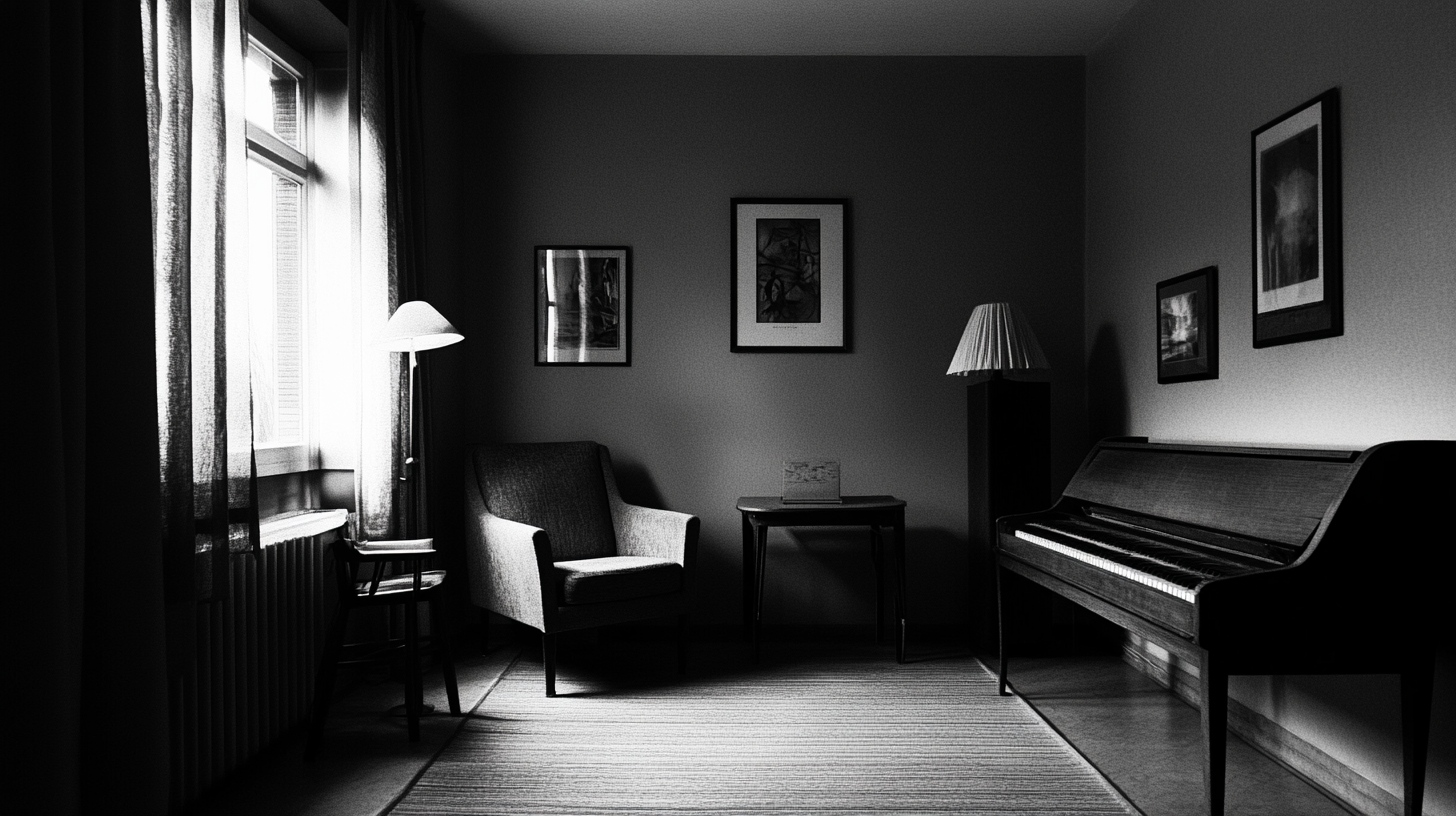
point(485, 631)
point(440, 626)
point(682, 644)
point(548, 657)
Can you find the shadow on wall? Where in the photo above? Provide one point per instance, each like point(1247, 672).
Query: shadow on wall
point(636, 485)
point(1106, 386)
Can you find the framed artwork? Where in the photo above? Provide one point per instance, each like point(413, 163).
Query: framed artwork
point(582, 305)
point(790, 274)
point(1188, 327)
point(1298, 293)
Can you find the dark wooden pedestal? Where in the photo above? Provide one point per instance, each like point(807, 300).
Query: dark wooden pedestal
point(1009, 434)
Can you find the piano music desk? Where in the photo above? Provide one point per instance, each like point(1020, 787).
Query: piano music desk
point(762, 512)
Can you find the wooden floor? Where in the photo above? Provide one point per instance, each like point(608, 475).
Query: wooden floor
point(1148, 742)
point(1139, 735)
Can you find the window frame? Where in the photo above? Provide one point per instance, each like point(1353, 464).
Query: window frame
point(297, 165)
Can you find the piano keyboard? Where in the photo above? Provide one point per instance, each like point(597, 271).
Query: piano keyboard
point(1163, 567)
point(1114, 567)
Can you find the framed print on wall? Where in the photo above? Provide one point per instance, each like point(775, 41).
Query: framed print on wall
point(1298, 293)
point(581, 305)
point(1188, 327)
point(790, 274)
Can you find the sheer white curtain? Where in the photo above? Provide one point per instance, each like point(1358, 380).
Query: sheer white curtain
point(383, 81)
point(194, 52)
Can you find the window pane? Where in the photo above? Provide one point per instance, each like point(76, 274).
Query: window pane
point(275, 288)
point(272, 97)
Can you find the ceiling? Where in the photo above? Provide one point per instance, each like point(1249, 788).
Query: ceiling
point(777, 27)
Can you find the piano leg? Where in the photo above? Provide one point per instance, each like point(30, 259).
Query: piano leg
point(1001, 630)
point(1213, 689)
point(1417, 679)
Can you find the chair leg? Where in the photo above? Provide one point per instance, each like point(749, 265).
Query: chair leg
point(682, 643)
point(413, 686)
point(324, 681)
point(548, 657)
point(440, 626)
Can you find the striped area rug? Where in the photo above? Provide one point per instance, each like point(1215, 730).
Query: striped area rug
point(830, 734)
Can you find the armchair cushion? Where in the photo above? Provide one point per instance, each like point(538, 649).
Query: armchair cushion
point(616, 578)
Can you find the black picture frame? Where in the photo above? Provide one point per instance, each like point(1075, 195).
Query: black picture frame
point(790, 274)
point(1298, 286)
point(1187, 321)
point(591, 327)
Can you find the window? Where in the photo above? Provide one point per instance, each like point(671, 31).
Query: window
point(280, 175)
point(303, 355)
point(293, 143)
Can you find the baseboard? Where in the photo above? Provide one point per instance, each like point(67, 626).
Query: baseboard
point(1304, 759)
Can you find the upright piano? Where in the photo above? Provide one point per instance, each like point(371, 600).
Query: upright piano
point(1244, 560)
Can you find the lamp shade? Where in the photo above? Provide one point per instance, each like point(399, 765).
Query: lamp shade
point(416, 326)
point(997, 338)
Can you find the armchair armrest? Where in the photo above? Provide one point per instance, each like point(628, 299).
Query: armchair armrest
point(646, 531)
point(510, 567)
point(654, 533)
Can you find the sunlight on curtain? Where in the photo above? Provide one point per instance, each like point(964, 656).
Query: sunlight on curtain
point(194, 66)
point(383, 65)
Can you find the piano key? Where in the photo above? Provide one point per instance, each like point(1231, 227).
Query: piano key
point(1115, 567)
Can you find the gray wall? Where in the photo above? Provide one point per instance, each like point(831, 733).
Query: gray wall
point(966, 186)
point(1171, 100)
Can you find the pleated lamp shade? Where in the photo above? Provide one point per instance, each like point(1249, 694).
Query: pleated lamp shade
point(997, 338)
point(416, 326)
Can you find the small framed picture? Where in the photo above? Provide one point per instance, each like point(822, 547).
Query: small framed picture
point(790, 274)
point(582, 305)
point(1188, 327)
point(1298, 291)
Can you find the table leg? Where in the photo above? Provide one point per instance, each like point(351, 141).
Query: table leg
point(750, 580)
point(878, 554)
point(761, 537)
point(900, 600)
point(1001, 631)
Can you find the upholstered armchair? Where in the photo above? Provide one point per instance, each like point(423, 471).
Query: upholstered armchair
point(550, 543)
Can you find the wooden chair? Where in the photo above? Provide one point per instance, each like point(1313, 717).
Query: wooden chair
point(551, 544)
point(396, 576)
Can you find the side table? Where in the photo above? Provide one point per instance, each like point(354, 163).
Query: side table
point(762, 512)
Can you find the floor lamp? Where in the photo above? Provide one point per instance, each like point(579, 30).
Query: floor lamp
point(1008, 430)
point(415, 326)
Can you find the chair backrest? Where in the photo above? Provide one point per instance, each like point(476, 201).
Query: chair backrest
point(557, 486)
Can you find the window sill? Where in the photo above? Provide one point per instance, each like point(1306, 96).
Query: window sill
point(282, 459)
point(300, 524)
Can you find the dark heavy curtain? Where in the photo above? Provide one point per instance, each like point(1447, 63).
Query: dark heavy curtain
point(384, 88)
point(87, 721)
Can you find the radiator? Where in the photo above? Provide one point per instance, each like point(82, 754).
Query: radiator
point(257, 653)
